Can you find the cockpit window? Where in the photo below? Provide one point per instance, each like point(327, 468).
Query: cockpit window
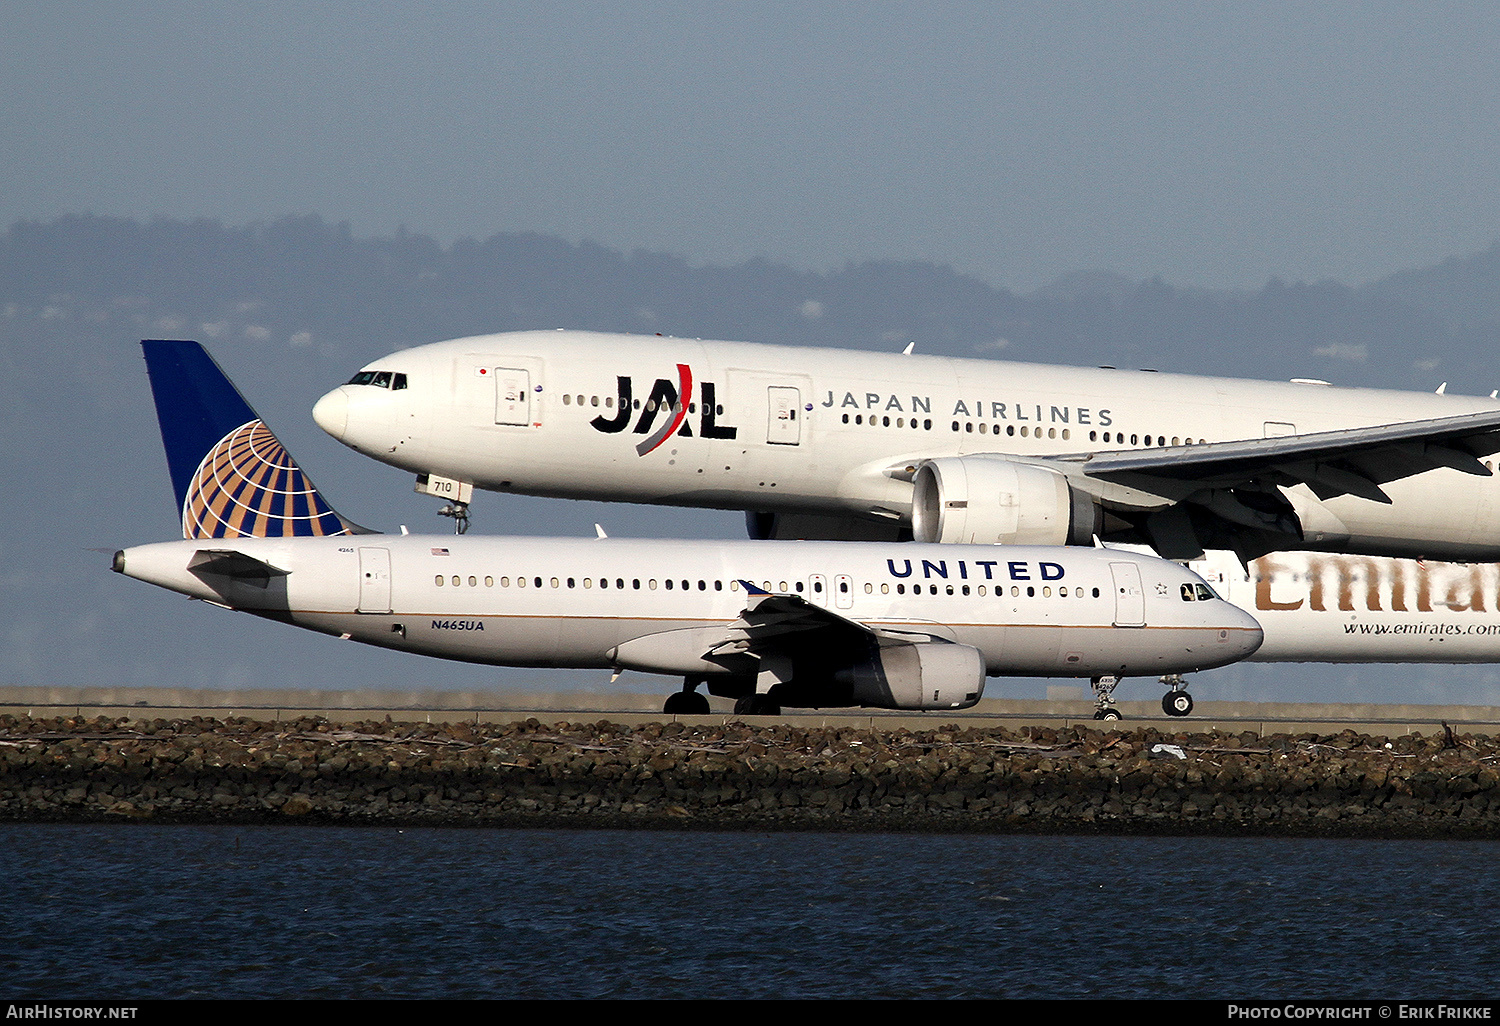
point(379, 379)
point(1187, 593)
point(1205, 592)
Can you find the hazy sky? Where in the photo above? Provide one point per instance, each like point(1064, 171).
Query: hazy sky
point(1214, 145)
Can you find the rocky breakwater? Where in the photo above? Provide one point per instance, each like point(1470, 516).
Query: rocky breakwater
point(747, 776)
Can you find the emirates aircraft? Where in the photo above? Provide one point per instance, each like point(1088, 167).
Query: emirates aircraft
point(768, 623)
point(838, 444)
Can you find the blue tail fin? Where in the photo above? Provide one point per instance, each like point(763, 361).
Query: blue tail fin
point(233, 479)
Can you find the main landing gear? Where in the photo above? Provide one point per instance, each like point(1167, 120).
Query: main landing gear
point(687, 702)
point(1176, 702)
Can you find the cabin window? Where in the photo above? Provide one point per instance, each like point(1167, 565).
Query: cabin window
point(554, 583)
point(567, 399)
point(955, 425)
point(1133, 440)
point(489, 582)
point(966, 589)
point(635, 583)
point(651, 584)
point(1062, 592)
point(1093, 436)
point(950, 589)
point(620, 582)
point(438, 580)
point(1030, 592)
point(885, 589)
point(473, 582)
point(1014, 591)
point(686, 585)
point(593, 400)
point(520, 582)
point(505, 582)
point(588, 583)
point(1047, 591)
point(1066, 434)
point(984, 429)
point(734, 585)
point(926, 425)
point(782, 587)
point(969, 428)
point(983, 590)
point(702, 586)
point(538, 581)
point(456, 581)
point(900, 589)
point(570, 582)
point(718, 586)
point(1096, 593)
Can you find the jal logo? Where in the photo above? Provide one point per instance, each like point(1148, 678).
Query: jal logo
point(665, 411)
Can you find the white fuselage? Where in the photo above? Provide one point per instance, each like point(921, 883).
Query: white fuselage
point(826, 431)
point(659, 605)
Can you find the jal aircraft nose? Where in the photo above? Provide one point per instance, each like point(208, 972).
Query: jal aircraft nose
point(332, 412)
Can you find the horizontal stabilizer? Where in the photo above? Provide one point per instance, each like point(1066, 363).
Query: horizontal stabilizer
point(229, 563)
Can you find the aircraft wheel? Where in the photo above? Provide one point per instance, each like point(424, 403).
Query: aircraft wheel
point(1107, 714)
point(686, 703)
point(756, 705)
point(1177, 703)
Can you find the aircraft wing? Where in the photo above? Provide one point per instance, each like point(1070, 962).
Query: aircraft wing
point(792, 625)
point(1353, 461)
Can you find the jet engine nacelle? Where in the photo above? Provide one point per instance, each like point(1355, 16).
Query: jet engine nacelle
point(989, 500)
point(931, 675)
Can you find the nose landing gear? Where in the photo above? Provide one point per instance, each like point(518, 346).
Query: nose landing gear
point(1176, 702)
point(1104, 697)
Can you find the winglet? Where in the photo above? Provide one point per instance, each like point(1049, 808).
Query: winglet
point(233, 479)
point(599, 531)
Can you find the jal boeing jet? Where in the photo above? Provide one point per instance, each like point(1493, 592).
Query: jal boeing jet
point(838, 444)
point(768, 623)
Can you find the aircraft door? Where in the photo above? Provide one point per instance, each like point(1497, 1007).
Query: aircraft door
point(843, 591)
point(817, 589)
point(374, 580)
point(1130, 597)
point(784, 424)
point(512, 396)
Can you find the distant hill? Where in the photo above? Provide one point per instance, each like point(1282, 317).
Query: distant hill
point(294, 306)
point(304, 277)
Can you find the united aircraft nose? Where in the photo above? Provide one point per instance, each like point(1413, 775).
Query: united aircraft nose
point(332, 413)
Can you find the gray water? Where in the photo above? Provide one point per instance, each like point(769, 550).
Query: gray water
point(304, 912)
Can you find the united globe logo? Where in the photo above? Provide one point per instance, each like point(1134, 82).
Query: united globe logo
point(248, 486)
